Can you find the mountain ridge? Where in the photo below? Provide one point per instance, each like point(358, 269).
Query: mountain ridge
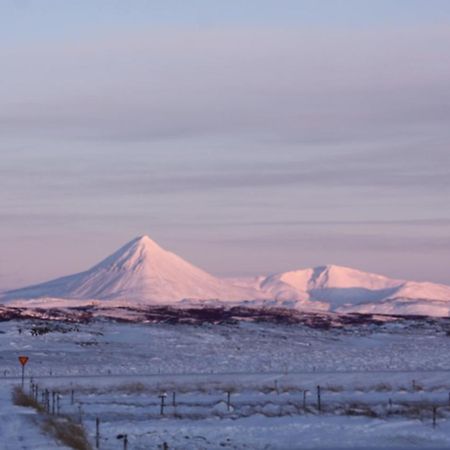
point(143, 272)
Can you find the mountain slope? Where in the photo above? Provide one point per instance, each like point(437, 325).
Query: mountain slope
point(348, 290)
point(139, 271)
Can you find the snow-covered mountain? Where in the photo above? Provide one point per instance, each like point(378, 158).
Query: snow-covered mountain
point(141, 272)
point(342, 289)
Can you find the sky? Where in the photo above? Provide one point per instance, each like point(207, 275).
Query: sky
point(248, 137)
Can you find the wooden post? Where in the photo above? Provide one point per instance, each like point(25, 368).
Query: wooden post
point(53, 402)
point(72, 395)
point(58, 403)
point(319, 400)
point(174, 403)
point(162, 397)
point(47, 400)
point(125, 440)
point(23, 375)
point(97, 432)
point(434, 416)
point(304, 399)
point(228, 400)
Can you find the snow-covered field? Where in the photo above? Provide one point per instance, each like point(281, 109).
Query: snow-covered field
point(248, 385)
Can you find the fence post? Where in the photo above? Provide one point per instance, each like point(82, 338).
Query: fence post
point(162, 397)
point(47, 400)
point(97, 432)
point(319, 400)
point(228, 400)
point(434, 416)
point(174, 403)
point(125, 440)
point(304, 399)
point(53, 402)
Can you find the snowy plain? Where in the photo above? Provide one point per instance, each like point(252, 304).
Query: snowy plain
point(379, 384)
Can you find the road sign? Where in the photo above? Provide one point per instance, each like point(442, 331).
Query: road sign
point(23, 360)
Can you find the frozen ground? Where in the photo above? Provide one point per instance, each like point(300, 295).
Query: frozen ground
point(19, 426)
point(378, 384)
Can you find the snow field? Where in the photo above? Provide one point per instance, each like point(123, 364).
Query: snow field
point(135, 349)
point(201, 402)
point(20, 426)
point(117, 372)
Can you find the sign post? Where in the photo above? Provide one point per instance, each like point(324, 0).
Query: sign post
point(23, 360)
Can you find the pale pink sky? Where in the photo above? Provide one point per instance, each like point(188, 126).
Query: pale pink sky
point(248, 140)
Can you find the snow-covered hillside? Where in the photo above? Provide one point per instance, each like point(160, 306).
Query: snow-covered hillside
point(141, 272)
point(342, 289)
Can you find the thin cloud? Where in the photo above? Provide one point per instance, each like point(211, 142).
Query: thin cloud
point(302, 85)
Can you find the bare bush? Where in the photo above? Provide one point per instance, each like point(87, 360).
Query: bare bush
point(334, 388)
point(67, 432)
point(382, 387)
point(20, 398)
point(63, 429)
point(359, 409)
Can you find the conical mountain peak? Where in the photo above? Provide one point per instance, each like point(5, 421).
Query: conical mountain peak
point(145, 241)
point(143, 244)
point(136, 253)
point(140, 271)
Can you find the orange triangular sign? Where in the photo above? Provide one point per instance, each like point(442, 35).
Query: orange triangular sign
point(23, 360)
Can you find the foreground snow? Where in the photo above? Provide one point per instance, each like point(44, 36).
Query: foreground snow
point(378, 383)
point(19, 426)
point(142, 272)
